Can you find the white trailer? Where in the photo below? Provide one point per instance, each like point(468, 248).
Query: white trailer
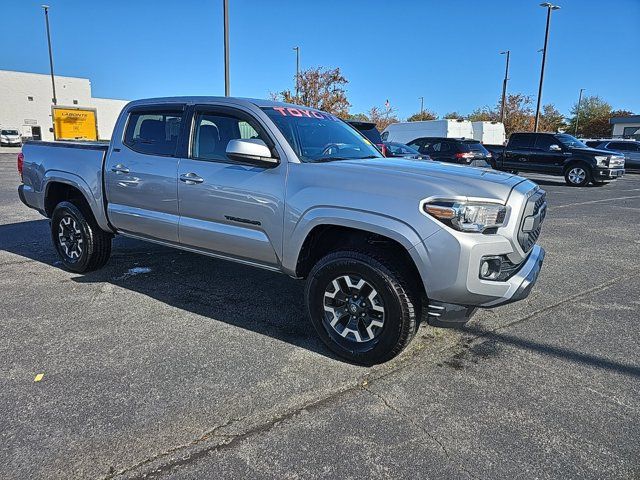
point(405, 132)
point(491, 133)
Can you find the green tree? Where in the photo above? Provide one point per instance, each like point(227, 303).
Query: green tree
point(361, 117)
point(320, 88)
point(551, 120)
point(484, 114)
point(422, 116)
point(453, 116)
point(594, 118)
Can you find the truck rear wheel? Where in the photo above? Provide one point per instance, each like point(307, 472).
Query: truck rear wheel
point(361, 306)
point(81, 245)
point(577, 175)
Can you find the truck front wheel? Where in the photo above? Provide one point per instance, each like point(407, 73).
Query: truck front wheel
point(361, 306)
point(81, 245)
point(577, 175)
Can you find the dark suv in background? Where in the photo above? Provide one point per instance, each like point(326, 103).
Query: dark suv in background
point(453, 150)
point(369, 130)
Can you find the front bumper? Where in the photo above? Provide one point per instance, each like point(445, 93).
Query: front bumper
point(608, 173)
point(522, 282)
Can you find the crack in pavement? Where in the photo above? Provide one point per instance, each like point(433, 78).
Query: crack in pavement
point(205, 436)
point(412, 421)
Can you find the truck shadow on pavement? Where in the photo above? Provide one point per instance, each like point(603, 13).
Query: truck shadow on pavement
point(553, 351)
point(265, 302)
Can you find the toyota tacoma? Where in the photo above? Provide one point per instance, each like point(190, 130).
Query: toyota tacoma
point(383, 243)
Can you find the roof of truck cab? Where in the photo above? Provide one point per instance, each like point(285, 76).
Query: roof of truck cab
point(208, 99)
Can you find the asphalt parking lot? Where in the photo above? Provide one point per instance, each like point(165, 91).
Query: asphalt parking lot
point(174, 365)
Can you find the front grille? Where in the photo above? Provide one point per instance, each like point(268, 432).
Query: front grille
point(531, 224)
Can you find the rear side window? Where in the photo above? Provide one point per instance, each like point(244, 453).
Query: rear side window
point(522, 140)
point(153, 132)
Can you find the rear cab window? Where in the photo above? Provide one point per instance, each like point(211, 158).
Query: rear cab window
point(153, 131)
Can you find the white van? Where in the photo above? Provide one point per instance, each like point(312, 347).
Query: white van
point(404, 132)
point(491, 133)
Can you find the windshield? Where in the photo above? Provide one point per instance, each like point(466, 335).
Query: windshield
point(570, 141)
point(320, 137)
point(9, 132)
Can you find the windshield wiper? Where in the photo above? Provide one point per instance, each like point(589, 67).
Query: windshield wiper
point(329, 159)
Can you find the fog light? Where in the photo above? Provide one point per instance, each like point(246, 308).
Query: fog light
point(490, 268)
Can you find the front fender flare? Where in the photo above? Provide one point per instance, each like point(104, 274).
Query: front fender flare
point(376, 223)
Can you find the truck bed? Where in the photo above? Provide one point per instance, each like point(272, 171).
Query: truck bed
point(65, 162)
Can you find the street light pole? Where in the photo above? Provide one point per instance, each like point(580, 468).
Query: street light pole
point(225, 11)
point(53, 82)
point(504, 85)
point(575, 133)
point(297, 49)
point(421, 106)
point(549, 8)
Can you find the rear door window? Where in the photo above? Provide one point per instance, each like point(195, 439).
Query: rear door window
point(521, 141)
point(153, 132)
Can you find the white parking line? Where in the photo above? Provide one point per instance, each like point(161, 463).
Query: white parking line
point(593, 201)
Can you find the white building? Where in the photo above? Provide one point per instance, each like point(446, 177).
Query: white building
point(26, 101)
point(626, 127)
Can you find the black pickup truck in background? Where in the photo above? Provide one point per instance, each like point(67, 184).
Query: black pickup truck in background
point(557, 154)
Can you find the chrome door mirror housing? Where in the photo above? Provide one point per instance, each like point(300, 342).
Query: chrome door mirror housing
point(251, 150)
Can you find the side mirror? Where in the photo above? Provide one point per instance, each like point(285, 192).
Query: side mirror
point(253, 151)
point(555, 148)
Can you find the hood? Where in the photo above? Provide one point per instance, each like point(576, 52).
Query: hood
point(443, 179)
point(592, 151)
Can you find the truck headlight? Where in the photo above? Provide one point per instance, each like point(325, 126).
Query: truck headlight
point(602, 160)
point(468, 216)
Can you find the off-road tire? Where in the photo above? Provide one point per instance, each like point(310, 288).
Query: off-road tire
point(95, 244)
point(390, 279)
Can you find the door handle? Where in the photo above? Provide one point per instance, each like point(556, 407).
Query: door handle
point(119, 168)
point(191, 178)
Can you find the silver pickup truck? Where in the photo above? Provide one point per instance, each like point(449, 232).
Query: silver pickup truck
point(384, 243)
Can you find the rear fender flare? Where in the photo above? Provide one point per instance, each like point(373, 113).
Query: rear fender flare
point(67, 178)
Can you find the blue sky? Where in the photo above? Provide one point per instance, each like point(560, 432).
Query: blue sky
point(446, 51)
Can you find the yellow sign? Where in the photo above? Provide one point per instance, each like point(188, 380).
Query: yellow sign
point(74, 124)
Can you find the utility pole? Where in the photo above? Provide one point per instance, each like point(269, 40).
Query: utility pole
point(53, 82)
point(504, 85)
point(575, 133)
point(297, 49)
point(549, 8)
point(225, 11)
point(421, 105)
